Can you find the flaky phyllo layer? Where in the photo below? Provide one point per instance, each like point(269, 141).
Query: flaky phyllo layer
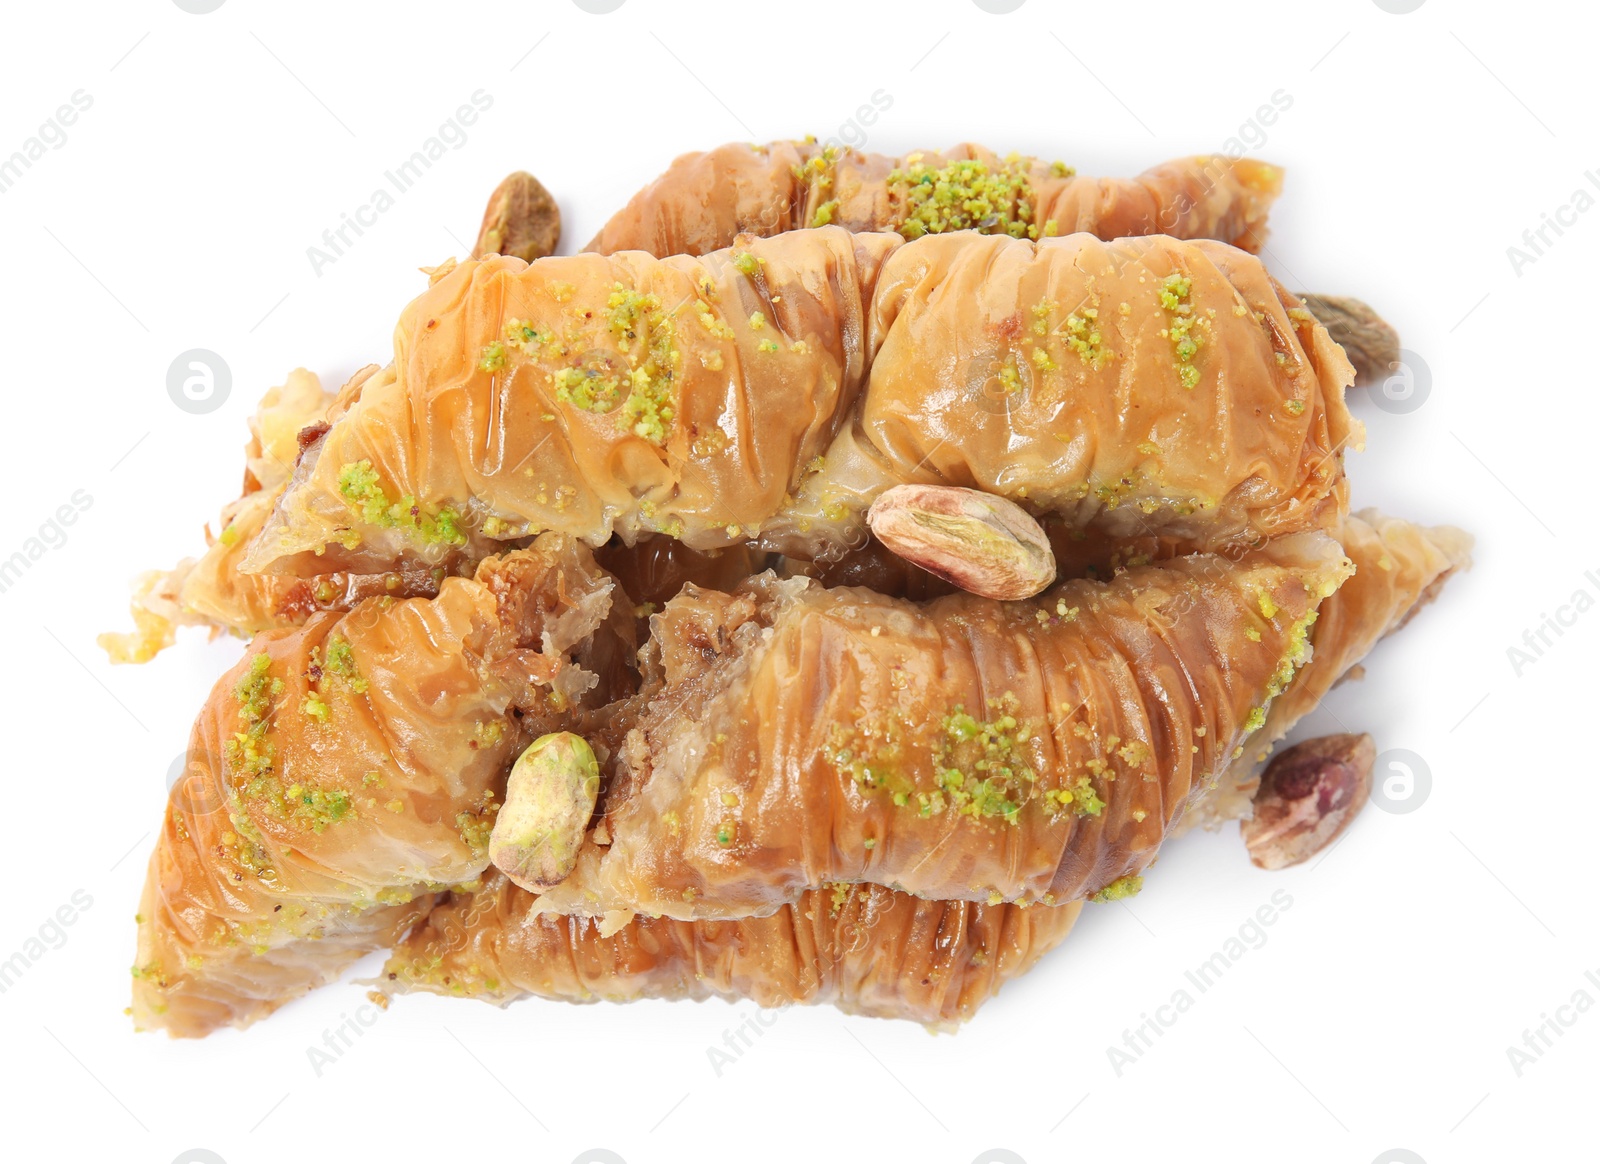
point(775, 740)
point(625, 497)
point(863, 948)
point(349, 770)
point(765, 395)
point(706, 200)
point(965, 749)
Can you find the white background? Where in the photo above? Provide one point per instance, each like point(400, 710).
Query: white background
point(1378, 1012)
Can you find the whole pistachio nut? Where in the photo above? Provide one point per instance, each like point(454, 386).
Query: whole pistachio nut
point(521, 219)
point(1372, 346)
point(550, 797)
point(1309, 794)
point(982, 543)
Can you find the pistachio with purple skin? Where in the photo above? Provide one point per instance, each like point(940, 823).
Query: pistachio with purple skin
point(521, 219)
point(982, 543)
point(1309, 795)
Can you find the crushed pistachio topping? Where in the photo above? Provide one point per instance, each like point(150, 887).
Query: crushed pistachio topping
point(250, 756)
point(1111, 493)
point(817, 172)
point(747, 264)
point(526, 338)
point(1082, 332)
point(1134, 753)
point(342, 663)
point(708, 320)
point(299, 803)
point(256, 689)
point(337, 666)
point(152, 973)
point(494, 357)
point(640, 378)
point(825, 212)
point(476, 824)
point(652, 399)
point(588, 388)
point(965, 194)
point(1081, 798)
point(1120, 888)
point(1010, 378)
point(1181, 329)
point(360, 487)
point(709, 443)
point(246, 845)
point(1296, 653)
point(249, 752)
point(982, 768)
point(840, 892)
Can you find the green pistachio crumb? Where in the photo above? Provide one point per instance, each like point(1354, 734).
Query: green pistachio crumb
point(1122, 887)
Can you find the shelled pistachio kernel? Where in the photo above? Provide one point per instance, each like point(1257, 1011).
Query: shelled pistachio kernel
point(550, 797)
point(984, 544)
